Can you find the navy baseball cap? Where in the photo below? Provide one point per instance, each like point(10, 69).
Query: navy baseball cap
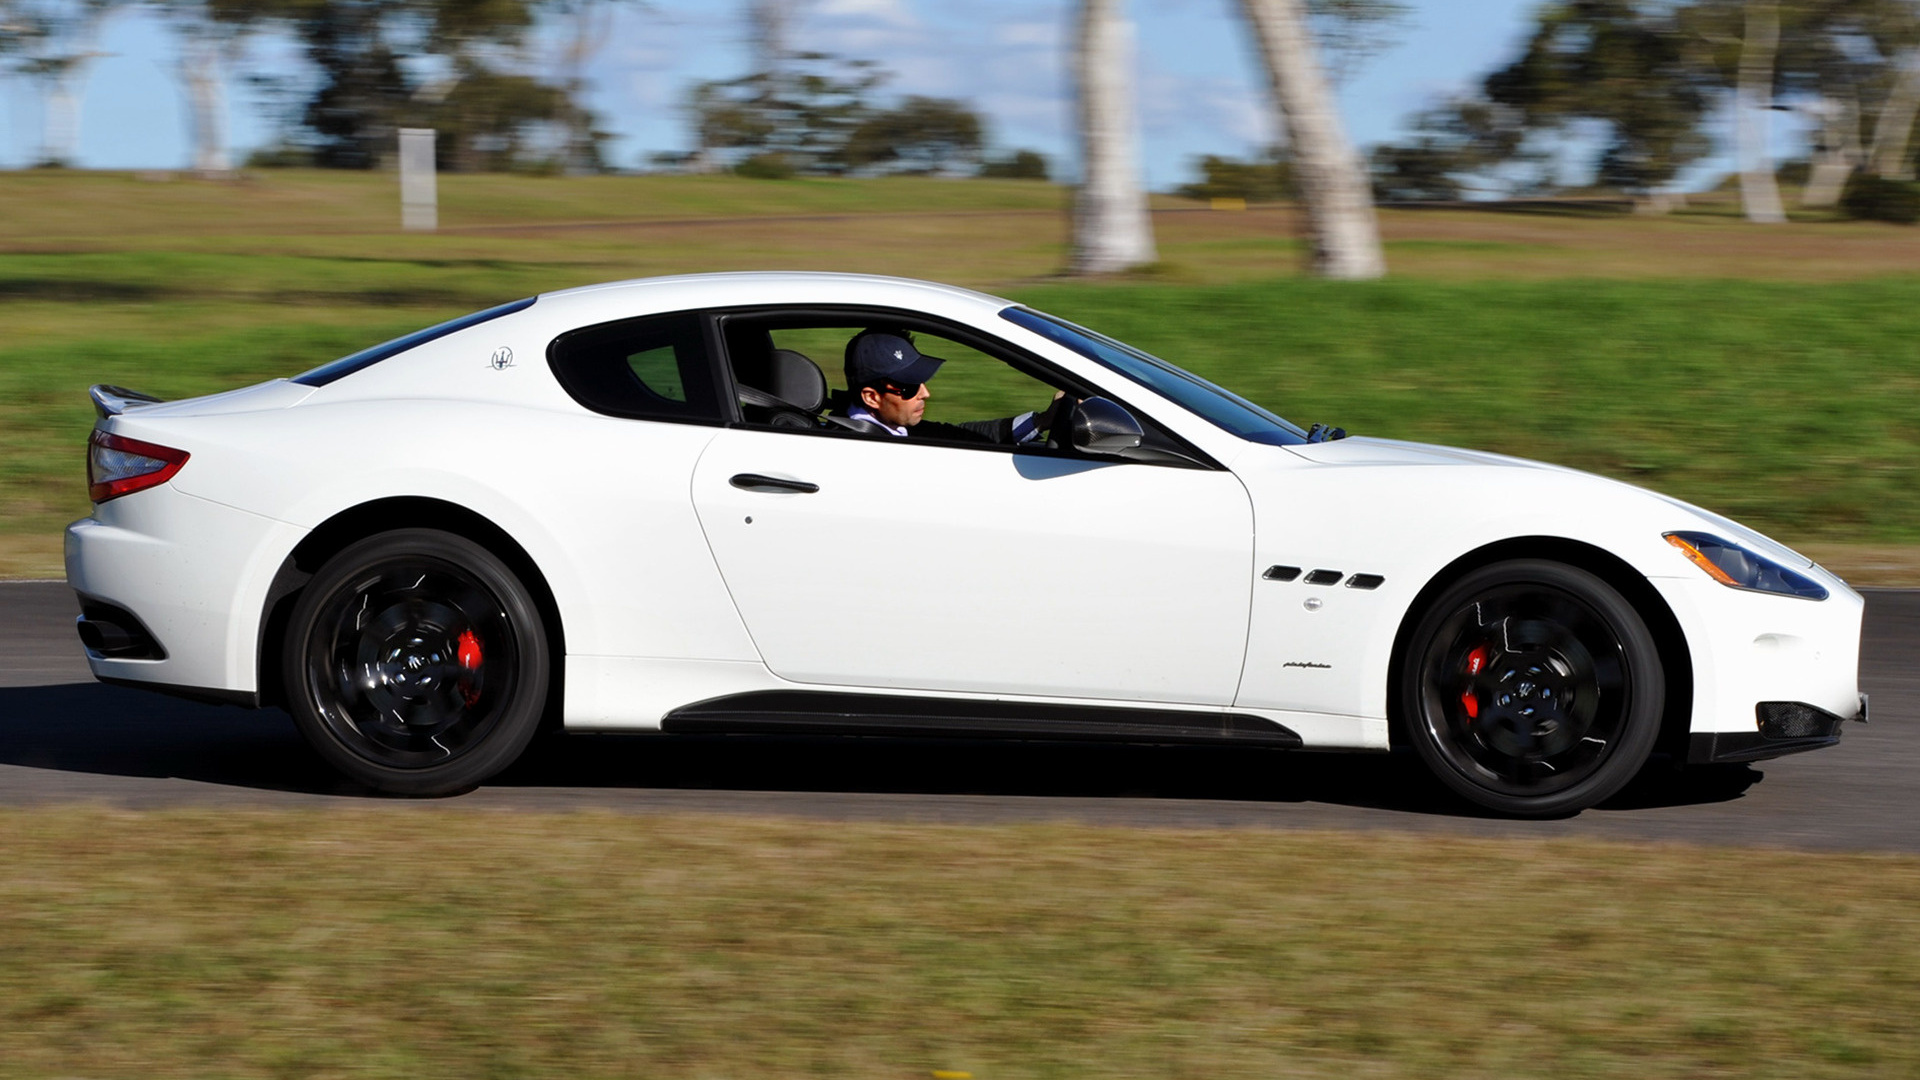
point(875, 356)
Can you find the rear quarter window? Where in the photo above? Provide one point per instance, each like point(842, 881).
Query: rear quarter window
point(656, 368)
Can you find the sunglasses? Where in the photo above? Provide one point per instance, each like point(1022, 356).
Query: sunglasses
point(909, 391)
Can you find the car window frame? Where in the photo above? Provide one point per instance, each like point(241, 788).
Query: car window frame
point(1020, 359)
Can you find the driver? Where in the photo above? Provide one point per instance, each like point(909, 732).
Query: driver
point(887, 383)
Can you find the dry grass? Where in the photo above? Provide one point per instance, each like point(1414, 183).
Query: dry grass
point(416, 942)
point(987, 233)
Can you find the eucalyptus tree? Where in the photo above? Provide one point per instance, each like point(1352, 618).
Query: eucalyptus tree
point(456, 65)
point(1743, 39)
point(1627, 67)
point(1111, 229)
point(1343, 235)
point(1891, 156)
point(1851, 65)
point(213, 37)
point(57, 42)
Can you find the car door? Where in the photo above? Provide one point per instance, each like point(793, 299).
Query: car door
point(881, 562)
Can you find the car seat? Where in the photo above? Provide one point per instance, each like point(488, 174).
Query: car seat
point(789, 391)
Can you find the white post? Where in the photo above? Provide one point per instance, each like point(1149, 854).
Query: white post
point(419, 187)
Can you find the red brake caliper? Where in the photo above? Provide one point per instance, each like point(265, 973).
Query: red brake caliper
point(469, 659)
point(1476, 663)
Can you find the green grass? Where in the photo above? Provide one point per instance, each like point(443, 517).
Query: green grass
point(1795, 407)
point(1789, 404)
point(424, 943)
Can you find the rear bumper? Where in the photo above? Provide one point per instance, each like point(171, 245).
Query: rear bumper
point(173, 586)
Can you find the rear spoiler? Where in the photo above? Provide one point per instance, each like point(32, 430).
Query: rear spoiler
point(114, 400)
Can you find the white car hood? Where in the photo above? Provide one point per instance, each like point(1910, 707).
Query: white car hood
point(1362, 451)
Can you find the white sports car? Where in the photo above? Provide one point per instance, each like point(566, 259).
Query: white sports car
point(638, 506)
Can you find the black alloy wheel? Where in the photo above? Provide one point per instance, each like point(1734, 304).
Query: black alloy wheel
point(1533, 688)
point(416, 663)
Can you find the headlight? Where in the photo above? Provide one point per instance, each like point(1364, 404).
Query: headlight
point(1736, 567)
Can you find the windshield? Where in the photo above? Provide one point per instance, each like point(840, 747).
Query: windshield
point(1224, 409)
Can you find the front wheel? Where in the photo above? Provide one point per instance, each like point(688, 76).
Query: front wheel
point(1532, 688)
point(416, 663)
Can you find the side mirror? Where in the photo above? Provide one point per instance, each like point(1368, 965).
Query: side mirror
point(1100, 426)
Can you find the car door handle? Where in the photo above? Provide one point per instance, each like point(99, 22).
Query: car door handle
point(756, 482)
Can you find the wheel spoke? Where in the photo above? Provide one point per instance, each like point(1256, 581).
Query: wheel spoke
point(414, 686)
point(1526, 689)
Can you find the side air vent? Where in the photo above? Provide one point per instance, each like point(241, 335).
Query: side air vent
point(1365, 581)
point(1325, 577)
point(1281, 573)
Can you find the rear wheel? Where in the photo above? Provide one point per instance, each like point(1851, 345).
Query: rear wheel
point(416, 663)
point(1533, 688)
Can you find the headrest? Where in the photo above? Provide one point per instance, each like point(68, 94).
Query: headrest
point(796, 380)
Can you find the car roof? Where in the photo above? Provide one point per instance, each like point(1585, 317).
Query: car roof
point(686, 291)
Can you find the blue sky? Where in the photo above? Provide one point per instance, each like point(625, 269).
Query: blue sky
point(1200, 90)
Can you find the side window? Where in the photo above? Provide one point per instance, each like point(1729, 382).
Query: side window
point(655, 368)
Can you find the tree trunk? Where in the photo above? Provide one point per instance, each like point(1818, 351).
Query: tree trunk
point(203, 55)
point(1835, 155)
point(63, 79)
point(1111, 229)
point(60, 126)
point(592, 26)
point(1343, 236)
point(1895, 126)
point(1759, 194)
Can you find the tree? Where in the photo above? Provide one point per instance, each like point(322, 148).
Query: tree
point(1890, 157)
point(591, 24)
point(57, 42)
point(921, 135)
point(1626, 66)
point(1266, 180)
point(1111, 229)
point(212, 37)
point(1019, 165)
point(1848, 63)
point(1759, 194)
point(795, 117)
point(1467, 144)
point(1343, 235)
point(448, 64)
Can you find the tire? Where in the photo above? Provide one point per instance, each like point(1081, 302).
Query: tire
point(416, 663)
point(1532, 688)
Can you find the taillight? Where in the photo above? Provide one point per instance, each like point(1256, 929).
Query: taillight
point(118, 466)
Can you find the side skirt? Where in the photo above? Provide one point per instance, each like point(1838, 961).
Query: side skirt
point(822, 712)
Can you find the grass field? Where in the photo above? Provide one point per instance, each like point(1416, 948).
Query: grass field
point(1769, 374)
point(433, 943)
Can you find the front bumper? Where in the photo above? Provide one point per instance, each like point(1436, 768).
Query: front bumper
point(1749, 649)
point(1781, 728)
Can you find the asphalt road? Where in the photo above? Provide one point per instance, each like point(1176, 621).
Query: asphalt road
point(66, 739)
